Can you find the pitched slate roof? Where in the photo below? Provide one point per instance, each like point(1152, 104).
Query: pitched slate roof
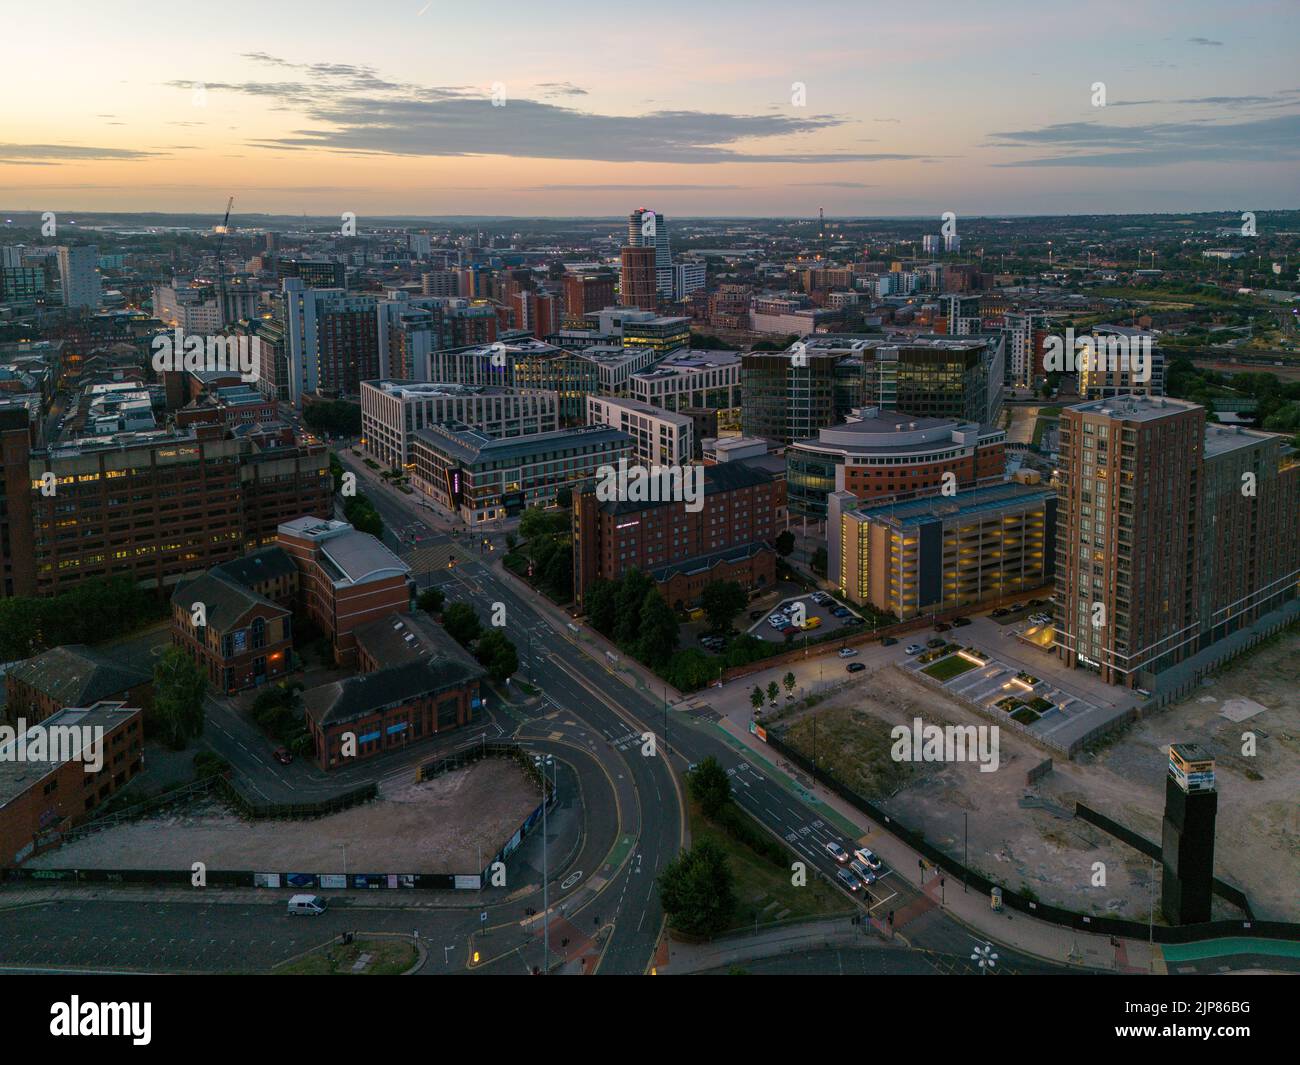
point(264, 565)
point(357, 697)
point(225, 601)
point(77, 675)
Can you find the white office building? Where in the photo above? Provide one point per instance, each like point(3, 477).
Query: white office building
point(661, 437)
point(391, 411)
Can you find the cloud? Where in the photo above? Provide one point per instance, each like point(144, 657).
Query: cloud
point(1093, 144)
point(64, 153)
point(351, 109)
point(561, 88)
point(832, 185)
point(1205, 42)
point(630, 188)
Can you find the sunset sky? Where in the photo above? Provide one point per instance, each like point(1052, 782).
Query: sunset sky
point(386, 107)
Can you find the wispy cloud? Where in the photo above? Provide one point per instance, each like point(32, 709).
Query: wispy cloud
point(1205, 42)
point(66, 153)
point(1158, 144)
point(352, 109)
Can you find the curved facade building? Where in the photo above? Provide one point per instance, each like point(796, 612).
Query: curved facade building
point(877, 455)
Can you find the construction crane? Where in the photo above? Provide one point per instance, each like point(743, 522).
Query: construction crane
point(221, 243)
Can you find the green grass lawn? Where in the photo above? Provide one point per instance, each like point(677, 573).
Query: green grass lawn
point(763, 889)
point(947, 668)
point(388, 957)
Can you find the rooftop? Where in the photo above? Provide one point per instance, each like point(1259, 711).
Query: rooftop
point(470, 445)
point(957, 507)
point(360, 696)
point(436, 389)
point(77, 675)
point(1134, 408)
point(225, 601)
point(19, 774)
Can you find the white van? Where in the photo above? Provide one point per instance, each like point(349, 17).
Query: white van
point(312, 905)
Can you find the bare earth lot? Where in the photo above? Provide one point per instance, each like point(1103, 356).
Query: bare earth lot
point(438, 826)
point(1041, 847)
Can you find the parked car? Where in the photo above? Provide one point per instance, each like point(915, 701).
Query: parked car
point(776, 620)
point(812, 623)
point(847, 652)
point(869, 858)
point(914, 649)
point(942, 626)
point(935, 641)
point(1000, 612)
point(283, 755)
point(888, 641)
point(856, 667)
point(957, 623)
point(754, 615)
point(837, 852)
point(787, 630)
point(847, 879)
point(841, 612)
point(853, 621)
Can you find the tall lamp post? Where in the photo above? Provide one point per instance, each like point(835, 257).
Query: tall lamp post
point(543, 761)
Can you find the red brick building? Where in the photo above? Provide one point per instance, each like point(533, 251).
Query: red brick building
point(418, 682)
point(71, 675)
point(84, 756)
point(345, 579)
point(238, 637)
point(152, 506)
point(728, 538)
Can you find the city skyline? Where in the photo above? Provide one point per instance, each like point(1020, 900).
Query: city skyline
point(435, 111)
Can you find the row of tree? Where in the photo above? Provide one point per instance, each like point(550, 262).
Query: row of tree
point(493, 649)
point(87, 613)
point(630, 611)
point(363, 516)
point(548, 547)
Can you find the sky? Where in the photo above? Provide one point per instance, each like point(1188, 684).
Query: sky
point(717, 108)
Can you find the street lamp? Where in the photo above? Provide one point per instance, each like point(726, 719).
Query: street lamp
point(985, 957)
point(542, 761)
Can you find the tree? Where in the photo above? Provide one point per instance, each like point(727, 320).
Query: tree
point(564, 497)
point(756, 698)
point(697, 890)
point(710, 787)
point(722, 601)
point(784, 542)
point(179, 688)
point(497, 655)
point(658, 630)
point(538, 522)
point(820, 561)
point(430, 600)
point(602, 606)
point(461, 623)
point(789, 682)
point(772, 692)
point(557, 574)
point(632, 588)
